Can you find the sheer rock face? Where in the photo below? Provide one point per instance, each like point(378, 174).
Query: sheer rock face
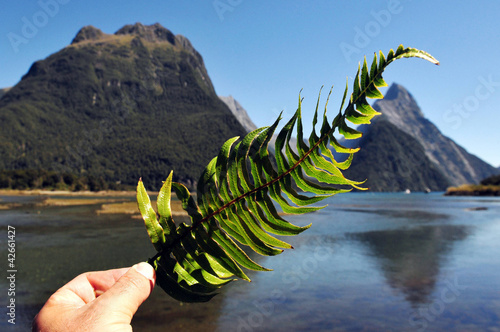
point(137, 103)
point(392, 160)
point(239, 112)
point(402, 150)
point(459, 166)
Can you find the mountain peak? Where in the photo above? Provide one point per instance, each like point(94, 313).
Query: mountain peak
point(397, 91)
point(152, 33)
point(142, 79)
point(399, 107)
point(88, 32)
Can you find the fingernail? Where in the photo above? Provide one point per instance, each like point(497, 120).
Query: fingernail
point(146, 270)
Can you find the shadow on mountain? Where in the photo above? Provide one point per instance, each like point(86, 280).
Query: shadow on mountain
point(410, 259)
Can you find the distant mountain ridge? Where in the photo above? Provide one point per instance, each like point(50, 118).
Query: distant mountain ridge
point(402, 150)
point(401, 109)
point(137, 103)
point(239, 112)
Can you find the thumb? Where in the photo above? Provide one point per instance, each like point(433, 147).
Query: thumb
point(128, 293)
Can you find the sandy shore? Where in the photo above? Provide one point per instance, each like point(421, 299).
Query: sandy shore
point(131, 208)
point(111, 202)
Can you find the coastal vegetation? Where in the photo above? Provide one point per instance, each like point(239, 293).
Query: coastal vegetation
point(491, 181)
point(487, 187)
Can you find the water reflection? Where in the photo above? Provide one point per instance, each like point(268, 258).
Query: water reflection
point(54, 244)
point(408, 215)
point(411, 258)
point(369, 263)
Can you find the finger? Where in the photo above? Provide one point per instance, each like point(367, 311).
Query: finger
point(101, 281)
point(89, 285)
point(129, 292)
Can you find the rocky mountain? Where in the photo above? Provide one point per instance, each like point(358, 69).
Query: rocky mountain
point(392, 160)
point(402, 150)
point(401, 109)
point(137, 103)
point(239, 112)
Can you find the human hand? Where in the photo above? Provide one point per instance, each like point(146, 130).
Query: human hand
point(97, 301)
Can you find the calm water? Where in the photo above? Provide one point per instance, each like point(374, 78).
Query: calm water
point(370, 262)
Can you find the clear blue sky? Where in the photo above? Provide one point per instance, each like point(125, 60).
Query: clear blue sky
point(264, 52)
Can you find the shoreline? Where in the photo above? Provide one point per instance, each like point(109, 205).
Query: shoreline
point(111, 202)
point(41, 192)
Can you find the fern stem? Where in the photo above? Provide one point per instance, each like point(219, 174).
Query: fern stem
point(187, 231)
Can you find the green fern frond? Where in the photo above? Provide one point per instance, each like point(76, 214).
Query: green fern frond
point(239, 190)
